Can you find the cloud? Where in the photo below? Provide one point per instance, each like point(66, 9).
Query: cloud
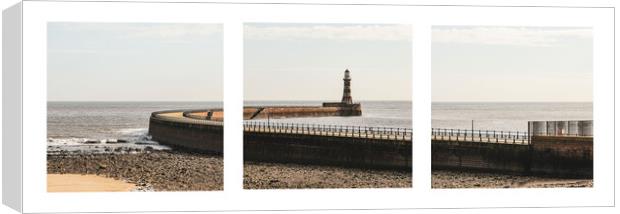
point(76, 38)
point(73, 51)
point(141, 30)
point(170, 31)
point(518, 36)
point(329, 32)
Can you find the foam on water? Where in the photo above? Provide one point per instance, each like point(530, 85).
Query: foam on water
point(133, 131)
point(106, 127)
point(134, 140)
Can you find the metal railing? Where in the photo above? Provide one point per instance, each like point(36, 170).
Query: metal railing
point(387, 133)
point(488, 136)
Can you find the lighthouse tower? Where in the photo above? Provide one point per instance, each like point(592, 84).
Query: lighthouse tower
point(346, 94)
point(346, 107)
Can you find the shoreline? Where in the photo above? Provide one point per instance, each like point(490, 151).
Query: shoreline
point(148, 171)
point(86, 183)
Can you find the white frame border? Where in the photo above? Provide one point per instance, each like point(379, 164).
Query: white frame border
point(37, 14)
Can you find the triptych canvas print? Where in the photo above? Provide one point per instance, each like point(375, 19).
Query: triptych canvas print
point(361, 107)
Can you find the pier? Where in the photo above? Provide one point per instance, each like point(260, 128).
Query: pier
point(554, 148)
point(557, 148)
point(186, 129)
point(349, 146)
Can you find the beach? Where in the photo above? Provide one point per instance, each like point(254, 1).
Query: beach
point(148, 171)
point(293, 176)
point(86, 183)
point(460, 179)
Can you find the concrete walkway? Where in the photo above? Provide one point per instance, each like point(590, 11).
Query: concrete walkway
point(177, 116)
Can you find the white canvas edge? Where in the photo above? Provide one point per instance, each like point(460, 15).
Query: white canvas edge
point(12, 107)
point(37, 14)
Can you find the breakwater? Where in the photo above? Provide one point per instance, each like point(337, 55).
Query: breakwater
point(516, 153)
point(279, 112)
point(178, 129)
point(349, 146)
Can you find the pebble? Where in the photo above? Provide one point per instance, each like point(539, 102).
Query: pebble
point(153, 171)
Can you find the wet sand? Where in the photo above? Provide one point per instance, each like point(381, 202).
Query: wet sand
point(459, 179)
point(292, 176)
point(86, 183)
point(148, 171)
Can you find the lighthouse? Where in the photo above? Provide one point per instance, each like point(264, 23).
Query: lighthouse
point(346, 93)
point(346, 107)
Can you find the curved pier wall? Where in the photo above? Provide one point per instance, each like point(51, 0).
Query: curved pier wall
point(197, 137)
point(327, 150)
point(553, 156)
point(209, 114)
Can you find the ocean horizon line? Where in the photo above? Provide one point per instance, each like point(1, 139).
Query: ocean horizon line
point(512, 102)
point(325, 101)
point(211, 101)
point(125, 101)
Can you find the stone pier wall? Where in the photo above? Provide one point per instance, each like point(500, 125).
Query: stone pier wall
point(185, 135)
point(277, 112)
point(327, 150)
point(554, 156)
point(571, 156)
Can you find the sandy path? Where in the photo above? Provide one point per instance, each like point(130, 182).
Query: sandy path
point(85, 183)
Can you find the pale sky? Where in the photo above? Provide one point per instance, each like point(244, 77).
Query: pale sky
point(307, 61)
point(134, 62)
point(511, 64)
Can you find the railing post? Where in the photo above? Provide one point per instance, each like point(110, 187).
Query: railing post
point(496, 138)
point(313, 129)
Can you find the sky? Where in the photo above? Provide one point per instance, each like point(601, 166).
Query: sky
point(307, 61)
point(511, 64)
point(134, 62)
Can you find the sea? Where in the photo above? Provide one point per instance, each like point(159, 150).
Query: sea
point(505, 116)
point(98, 127)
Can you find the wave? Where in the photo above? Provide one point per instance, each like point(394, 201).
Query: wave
point(141, 143)
point(133, 131)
